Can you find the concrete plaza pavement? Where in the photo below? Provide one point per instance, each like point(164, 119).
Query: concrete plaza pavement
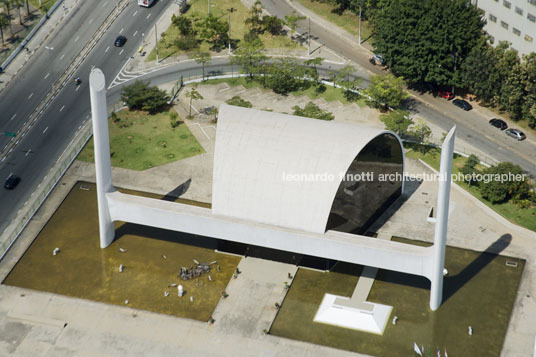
point(34, 322)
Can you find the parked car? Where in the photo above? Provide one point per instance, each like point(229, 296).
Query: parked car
point(462, 104)
point(11, 182)
point(120, 41)
point(498, 123)
point(516, 134)
point(445, 94)
point(377, 59)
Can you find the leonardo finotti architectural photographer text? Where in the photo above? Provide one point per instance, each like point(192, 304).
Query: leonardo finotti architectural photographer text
point(393, 177)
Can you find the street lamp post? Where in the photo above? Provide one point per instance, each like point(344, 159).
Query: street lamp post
point(359, 31)
point(156, 37)
point(231, 10)
point(309, 39)
point(455, 61)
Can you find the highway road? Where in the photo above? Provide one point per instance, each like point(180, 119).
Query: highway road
point(39, 149)
point(472, 126)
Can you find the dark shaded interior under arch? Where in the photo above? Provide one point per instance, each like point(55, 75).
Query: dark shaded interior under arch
point(373, 181)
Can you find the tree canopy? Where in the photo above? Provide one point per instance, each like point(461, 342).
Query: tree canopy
point(426, 40)
point(386, 90)
point(141, 95)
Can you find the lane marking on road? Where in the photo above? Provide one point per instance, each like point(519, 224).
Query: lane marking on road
point(135, 12)
point(121, 31)
point(13, 117)
point(121, 51)
point(107, 48)
point(77, 88)
point(63, 55)
point(44, 131)
point(62, 107)
point(104, 4)
point(77, 38)
point(93, 67)
point(48, 74)
point(148, 16)
point(31, 95)
point(28, 152)
point(135, 33)
point(90, 21)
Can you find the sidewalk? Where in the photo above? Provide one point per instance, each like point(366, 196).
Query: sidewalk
point(36, 42)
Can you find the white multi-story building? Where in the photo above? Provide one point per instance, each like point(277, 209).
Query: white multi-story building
point(511, 20)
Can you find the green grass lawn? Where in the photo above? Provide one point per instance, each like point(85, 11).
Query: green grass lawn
point(524, 217)
point(140, 141)
point(47, 3)
point(479, 291)
point(347, 20)
point(330, 94)
point(238, 28)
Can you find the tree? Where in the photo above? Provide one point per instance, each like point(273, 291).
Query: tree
point(239, 102)
point(249, 56)
point(193, 94)
point(386, 90)
point(19, 4)
point(426, 41)
point(292, 20)
point(254, 21)
point(183, 24)
point(7, 15)
point(397, 121)
point(496, 191)
point(4, 22)
point(141, 95)
point(285, 76)
point(528, 106)
point(203, 58)
point(313, 71)
point(469, 168)
point(214, 31)
point(186, 43)
point(311, 110)
point(272, 24)
point(479, 72)
point(421, 132)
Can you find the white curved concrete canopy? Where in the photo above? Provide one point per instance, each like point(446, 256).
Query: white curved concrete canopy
point(255, 150)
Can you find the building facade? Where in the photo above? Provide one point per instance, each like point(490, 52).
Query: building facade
point(513, 21)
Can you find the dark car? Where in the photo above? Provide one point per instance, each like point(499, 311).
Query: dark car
point(516, 134)
point(12, 182)
point(462, 104)
point(120, 41)
point(498, 123)
point(445, 94)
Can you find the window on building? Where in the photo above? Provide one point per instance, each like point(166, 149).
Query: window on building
point(531, 17)
point(519, 11)
point(516, 31)
point(507, 4)
point(528, 38)
point(533, 2)
point(504, 24)
point(492, 18)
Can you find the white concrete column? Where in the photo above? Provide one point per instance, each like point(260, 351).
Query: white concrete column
point(440, 236)
point(103, 168)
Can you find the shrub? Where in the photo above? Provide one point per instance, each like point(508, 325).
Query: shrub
point(311, 110)
point(239, 102)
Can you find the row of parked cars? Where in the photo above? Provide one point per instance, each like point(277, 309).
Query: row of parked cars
point(498, 123)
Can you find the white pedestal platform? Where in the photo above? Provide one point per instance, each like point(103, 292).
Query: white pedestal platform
point(371, 320)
